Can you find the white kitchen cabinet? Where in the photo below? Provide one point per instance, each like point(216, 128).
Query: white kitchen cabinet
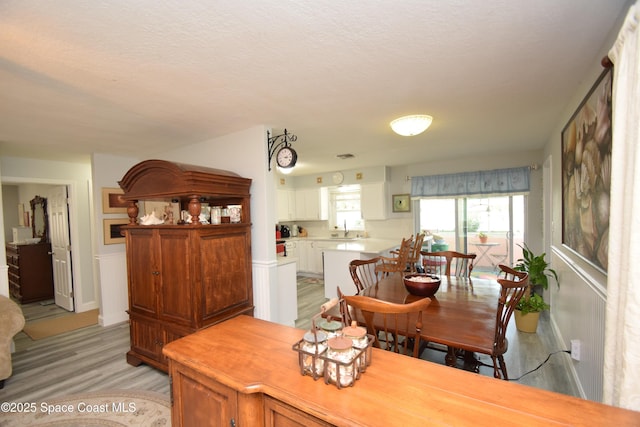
point(310, 255)
point(312, 204)
point(319, 247)
point(374, 200)
point(286, 205)
point(304, 249)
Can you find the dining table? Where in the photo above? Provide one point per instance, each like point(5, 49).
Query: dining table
point(461, 316)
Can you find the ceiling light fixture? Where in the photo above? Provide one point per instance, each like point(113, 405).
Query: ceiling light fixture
point(284, 171)
point(411, 125)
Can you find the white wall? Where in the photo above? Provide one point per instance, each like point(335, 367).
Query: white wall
point(577, 308)
point(399, 225)
point(110, 260)
point(219, 153)
point(245, 153)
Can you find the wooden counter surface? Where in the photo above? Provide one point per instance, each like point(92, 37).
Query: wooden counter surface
point(255, 356)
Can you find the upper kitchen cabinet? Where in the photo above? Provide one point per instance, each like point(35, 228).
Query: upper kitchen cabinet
point(312, 204)
point(373, 200)
point(286, 205)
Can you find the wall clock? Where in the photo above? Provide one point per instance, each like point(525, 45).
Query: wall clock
point(401, 203)
point(286, 157)
point(338, 177)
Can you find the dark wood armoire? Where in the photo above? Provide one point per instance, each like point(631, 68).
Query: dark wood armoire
point(184, 276)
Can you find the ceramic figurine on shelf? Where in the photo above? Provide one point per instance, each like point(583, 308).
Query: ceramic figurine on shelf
point(168, 214)
point(151, 219)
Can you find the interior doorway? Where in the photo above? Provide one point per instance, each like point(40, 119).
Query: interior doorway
point(58, 225)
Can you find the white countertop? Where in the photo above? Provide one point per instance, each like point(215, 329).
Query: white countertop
point(284, 260)
point(375, 246)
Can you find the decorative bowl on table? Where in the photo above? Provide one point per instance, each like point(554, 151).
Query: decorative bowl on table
point(420, 284)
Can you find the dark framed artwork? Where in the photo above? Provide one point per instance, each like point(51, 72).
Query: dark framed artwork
point(112, 201)
point(401, 203)
point(111, 229)
point(586, 175)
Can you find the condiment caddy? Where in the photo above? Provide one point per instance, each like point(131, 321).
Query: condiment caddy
point(336, 353)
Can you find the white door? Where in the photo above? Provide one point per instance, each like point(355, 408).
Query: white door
point(60, 247)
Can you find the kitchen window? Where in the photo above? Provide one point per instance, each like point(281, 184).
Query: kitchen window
point(345, 213)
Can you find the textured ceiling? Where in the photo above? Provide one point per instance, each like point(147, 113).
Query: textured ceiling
point(143, 76)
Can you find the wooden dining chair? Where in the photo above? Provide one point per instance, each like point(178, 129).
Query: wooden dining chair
point(398, 326)
point(510, 293)
point(446, 262)
point(509, 273)
point(397, 263)
point(414, 254)
point(363, 273)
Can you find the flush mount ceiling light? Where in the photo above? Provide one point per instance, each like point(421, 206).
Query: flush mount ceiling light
point(411, 125)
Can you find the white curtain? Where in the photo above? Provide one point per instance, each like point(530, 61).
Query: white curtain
point(622, 336)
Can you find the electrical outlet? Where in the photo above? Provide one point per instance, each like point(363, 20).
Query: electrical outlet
point(575, 350)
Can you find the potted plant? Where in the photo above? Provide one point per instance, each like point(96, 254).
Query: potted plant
point(532, 303)
point(483, 237)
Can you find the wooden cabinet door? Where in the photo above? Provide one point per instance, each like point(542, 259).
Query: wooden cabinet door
point(225, 273)
point(143, 271)
point(278, 414)
point(199, 401)
point(175, 281)
point(147, 338)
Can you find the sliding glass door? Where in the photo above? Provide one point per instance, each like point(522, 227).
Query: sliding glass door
point(491, 227)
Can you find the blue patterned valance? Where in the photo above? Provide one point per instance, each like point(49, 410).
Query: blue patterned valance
point(499, 181)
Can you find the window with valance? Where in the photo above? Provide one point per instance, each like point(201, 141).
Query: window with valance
point(497, 181)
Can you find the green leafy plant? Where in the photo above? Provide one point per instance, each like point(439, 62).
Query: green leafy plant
point(537, 267)
point(482, 234)
point(539, 275)
point(532, 304)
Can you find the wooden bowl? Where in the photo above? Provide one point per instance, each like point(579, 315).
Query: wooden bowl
point(420, 284)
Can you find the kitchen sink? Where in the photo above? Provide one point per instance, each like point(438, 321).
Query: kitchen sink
point(343, 238)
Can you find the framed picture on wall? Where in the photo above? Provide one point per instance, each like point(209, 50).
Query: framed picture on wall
point(111, 229)
point(586, 175)
point(401, 203)
point(112, 201)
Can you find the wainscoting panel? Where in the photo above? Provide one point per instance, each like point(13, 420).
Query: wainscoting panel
point(578, 311)
point(114, 298)
point(265, 290)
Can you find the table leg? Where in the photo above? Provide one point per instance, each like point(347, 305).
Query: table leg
point(470, 362)
point(450, 358)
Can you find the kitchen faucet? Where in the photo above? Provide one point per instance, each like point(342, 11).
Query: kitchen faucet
point(346, 232)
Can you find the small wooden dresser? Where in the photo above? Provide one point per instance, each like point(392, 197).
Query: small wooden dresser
point(30, 272)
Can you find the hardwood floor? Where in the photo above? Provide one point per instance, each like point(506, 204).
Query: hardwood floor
point(93, 358)
point(88, 359)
